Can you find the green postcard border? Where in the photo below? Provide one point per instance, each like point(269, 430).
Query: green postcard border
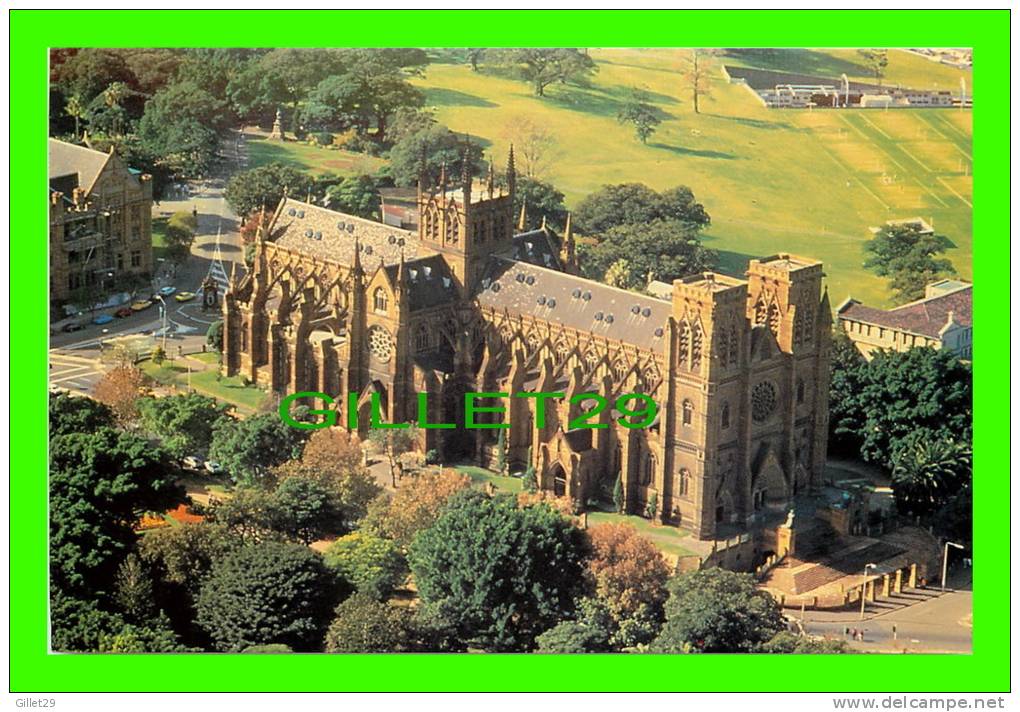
point(33, 669)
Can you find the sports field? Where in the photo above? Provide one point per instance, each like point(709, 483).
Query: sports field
point(802, 181)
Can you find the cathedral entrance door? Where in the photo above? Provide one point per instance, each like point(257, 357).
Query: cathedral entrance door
point(559, 480)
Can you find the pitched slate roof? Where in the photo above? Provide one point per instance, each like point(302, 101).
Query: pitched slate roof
point(428, 281)
point(329, 235)
point(925, 317)
point(67, 159)
point(536, 247)
point(576, 302)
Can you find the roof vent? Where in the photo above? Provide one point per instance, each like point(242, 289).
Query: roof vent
point(447, 282)
point(598, 316)
point(400, 242)
point(576, 293)
point(301, 213)
point(318, 234)
point(485, 283)
point(413, 273)
point(586, 296)
point(340, 225)
point(658, 333)
point(530, 280)
point(495, 286)
point(551, 303)
point(308, 233)
point(547, 258)
point(541, 299)
point(635, 309)
point(519, 277)
point(368, 249)
point(646, 312)
point(392, 239)
point(609, 318)
point(350, 227)
point(428, 272)
point(292, 212)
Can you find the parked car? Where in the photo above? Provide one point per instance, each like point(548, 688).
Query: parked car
point(140, 305)
point(123, 312)
point(72, 326)
point(213, 468)
point(167, 291)
point(185, 296)
point(193, 462)
point(102, 319)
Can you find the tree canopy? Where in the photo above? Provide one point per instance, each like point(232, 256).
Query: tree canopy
point(541, 67)
point(250, 190)
point(909, 257)
point(635, 204)
point(248, 449)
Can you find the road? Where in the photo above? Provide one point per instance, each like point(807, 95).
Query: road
point(75, 357)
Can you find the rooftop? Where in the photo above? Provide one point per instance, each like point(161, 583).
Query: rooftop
point(925, 317)
point(67, 159)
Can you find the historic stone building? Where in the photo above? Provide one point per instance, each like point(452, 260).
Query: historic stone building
point(739, 368)
point(100, 221)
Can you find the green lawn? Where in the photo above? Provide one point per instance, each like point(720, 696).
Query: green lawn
point(481, 476)
point(314, 159)
point(229, 390)
point(159, 238)
point(772, 180)
point(670, 540)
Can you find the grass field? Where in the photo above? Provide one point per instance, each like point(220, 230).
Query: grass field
point(810, 182)
point(669, 540)
point(231, 390)
point(314, 159)
point(481, 476)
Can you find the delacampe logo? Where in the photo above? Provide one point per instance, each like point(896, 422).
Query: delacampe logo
point(588, 418)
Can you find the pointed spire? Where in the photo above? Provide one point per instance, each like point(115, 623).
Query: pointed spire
point(543, 222)
point(569, 247)
point(356, 267)
point(522, 222)
point(400, 272)
point(232, 282)
point(511, 171)
point(492, 179)
point(442, 178)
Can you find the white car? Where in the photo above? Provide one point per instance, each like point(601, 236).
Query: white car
point(213, 468)
point(193, 462)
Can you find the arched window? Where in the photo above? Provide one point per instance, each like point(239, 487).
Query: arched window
point(685, 482)
point(379, 299)
point(244, 336)
point(696, 348)
point(760, 310)
point(688, 412)
point(648, 469)
point(422, 340)
point(725, 419)
point(800, 390)
point(774, 318)
point(684, 352)
point(734, 345)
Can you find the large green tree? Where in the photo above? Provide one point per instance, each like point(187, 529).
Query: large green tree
point(364, 625)
point(100, 483)
point(928, 471)
point(641, 115)
point(717, 611)
point(89, 71)
point(250, 190)
point(355, 195)
point(372, 565)
point(909, 257)
point(664, 249)
point(182, 125)
point(428, 151)
point(304, 510)
point(183, 423)
point(249, 449)
point(270, 593)
point(635, 204)
point(542, 201)
point(77, 414)
point(881, 402)
point(541, 67)
point(496, 575)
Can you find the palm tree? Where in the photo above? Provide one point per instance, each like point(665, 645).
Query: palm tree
point(76, 109)
point(928, 471)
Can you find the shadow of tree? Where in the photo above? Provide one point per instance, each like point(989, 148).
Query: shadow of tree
point(439, 96)
point(754, 123)
point(729, 262)
point(697, 153)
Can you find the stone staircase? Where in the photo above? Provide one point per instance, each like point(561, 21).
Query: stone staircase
point(807, 576)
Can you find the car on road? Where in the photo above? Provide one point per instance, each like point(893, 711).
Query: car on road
point(140, 305)
point(123, 312)
point(167, 291)
point(193, 462)
point(185, 296)
point(72, 326)
point(213, 468)
point(102, 319)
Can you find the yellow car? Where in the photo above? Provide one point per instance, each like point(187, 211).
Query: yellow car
point(140, 305)
point(184, 296)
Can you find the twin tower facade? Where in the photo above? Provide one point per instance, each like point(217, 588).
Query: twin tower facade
point(739, 368)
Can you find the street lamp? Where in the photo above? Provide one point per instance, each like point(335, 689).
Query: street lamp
point(864, 586)
point(945, 560)
point(162, 316)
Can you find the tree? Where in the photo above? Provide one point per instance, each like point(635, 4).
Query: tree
point(618, 500)
point(133, 592)
point(180, 235)
point(846, 381)
point(496, 575)
point(76, 109)
point(77, 414)
point(882, 402)
point(415, 506)
point(356, 195)
point(250, 190)
point(634, 203)
point(89, 71)
point(534, 145)
point(248, 449)
point(908, 256)
point(571, 637)
point(370, 564)
point(629, 574)
point(181, 126)
point(100, 483)
point(544, 66)
point(428, 151)
point(304, 510)
point(696, 77)
point(637, 111)
point(364, 625)
point(246, 514)
point(928, 471)
point(475, 56)
point(214, 336)
point(120, 389)
point(334, 451)
point(394, 443)
point(787, 642)
point(717, 611)
point(543, 201)
point(183, 423)
point(270, 593)
point(628, 254)
point(876, 61)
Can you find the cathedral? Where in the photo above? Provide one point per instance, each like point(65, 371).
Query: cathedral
point(469, 303)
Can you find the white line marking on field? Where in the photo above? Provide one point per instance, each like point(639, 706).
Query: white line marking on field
point(969, 204)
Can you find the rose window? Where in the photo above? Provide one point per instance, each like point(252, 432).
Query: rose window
point(763, 401)
point(380, 344)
